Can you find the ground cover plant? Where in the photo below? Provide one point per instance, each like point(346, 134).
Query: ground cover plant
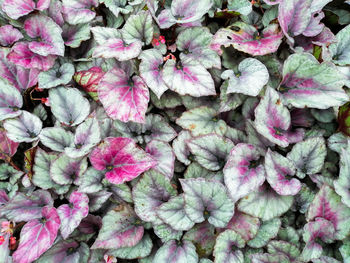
point(183, 131)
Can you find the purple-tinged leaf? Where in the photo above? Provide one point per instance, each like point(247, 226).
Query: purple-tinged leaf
point(56, 76)
point(278, 171)
point(340, 51)
point(25, 128)
point(251, 77)
point(194, 43)
point(243, 173)
point(5, 248)
point(9, 35)
point(174, 252)
point(207, 199)
point(183, 12)
point(10, 101)
point(308, 156)
point(265, 203)
point(342, 184)
point(79, 11)
point(166, 233)
point(102, 34)
point(121, 158)
point(123, 98)
point(210, 151)
point(138, 27)
point(247, 39)
point(272, 120)
point(150, 71)
point(164, 155)
point(7, 147)
point(17, 8)
point(74, 35)
point(68, 105)
point(320, 229)
point(65, 251)
point(72, 214)
point(3, 198)
point(286, 248)
point(56, 138)
point(267, 231)
point(140, 250)
point(90, 224)
point(227, 247)
point(20, 77)
point(245, 225)
point(120, 228)
point(65, 170)
point(119, 49)
point(21, 55)
point(87, 136)
point(151, 191)
point(188, 78)
point(37, 236)
point(173, 214)
point(307, 83)
point(203, 237)
point(180, 147)
point(41, 171)
point(268, 258)
point(202, 120)
point(327, 204)
point(49, 34)
point(98, 199)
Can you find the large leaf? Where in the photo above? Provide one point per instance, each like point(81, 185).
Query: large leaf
point(265, 203)
point(151, 191)
point(10, 101)
point(17, 8)
point(121, 158)
point(189, 78)
point(207, 199)
point(210, 151)
point(227, 247)
point(185, 252)
point(119, 229)
point(68, 105)
point(25, 128)
point(307, 83)
point(243, 173)
point(37, 236)
point(123, 98)
point(71, 215)
point(251, 77)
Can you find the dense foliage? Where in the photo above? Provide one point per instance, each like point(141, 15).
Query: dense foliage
point(183, 131)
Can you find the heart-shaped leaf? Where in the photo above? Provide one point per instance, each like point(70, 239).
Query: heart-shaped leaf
point(10, 101)
point(9, 35)
point(227, 247)
point(78, 11)
point(243, 172)
point(37, 236)
point(278, 171)
point(119, 49)
point(56, 76)
point(91, 181)
point(151, 191)
point(339, 51)
point(74, 35)
point(251, 77)
point(288, 249)
point(121, 158)
point(17, 8)
point(207, 199)
point(71, 215)
point(68, 105)
point(244, 7)
point(56, 138)
point(123, 98)
point(180, 147)
point(25, 128)
point(267, 231)
point(119, 229)
point(307, 83)
point(138, 27)
point(245, 225)
point(185, 252)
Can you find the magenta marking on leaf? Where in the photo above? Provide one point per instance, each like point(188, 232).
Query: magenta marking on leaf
point(18, 8)
point(37, 236)
point(9, 35)
point(122, 159)
point(7, 147)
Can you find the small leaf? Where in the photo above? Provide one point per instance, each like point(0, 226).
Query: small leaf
point(74, 35)
point(68, 105)
point(10, 101)
point(117, 48)
point(56, 76)
point(180, 147)
point(227, 247)
point(288, 249)
point(18, 8)
point(123, 164)
point(207, 199)
point(267, 231)
point(7, 147)
point(185, 252)
point(78, 11)
point(268, 258)
point(91, 181)
point(339, 51)
point(56, 138)
point(25, 128)
point(245, 225)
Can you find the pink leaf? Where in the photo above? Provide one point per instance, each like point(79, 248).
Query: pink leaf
point(121, 158)
point(18, 8)
point(7, 147)
point(9, 35)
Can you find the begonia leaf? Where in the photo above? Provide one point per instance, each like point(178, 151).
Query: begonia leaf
point(56, 76)
point(185, 252)
point(9, 35)
point(18, 8)
point(268, 258)
point(243, 173)
point(245, 225)
point(288, 249)
point(227, 247)
point(267, 231)
point(68, 105)
point(56, 138)
point(207, 199)
point(339, 51)
point(37, 236)
point(121, 159)
point(180, 147)
point(74, 35)
point(119, 49)
point(244, 7)
point(89, 79)
point(138, 27)
point(71, 216)
point(123, 98)
point(78, 11)
point(24, 128)
point(10, 101)
point(166, 232)
point(341, 185)
point(91, 181)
